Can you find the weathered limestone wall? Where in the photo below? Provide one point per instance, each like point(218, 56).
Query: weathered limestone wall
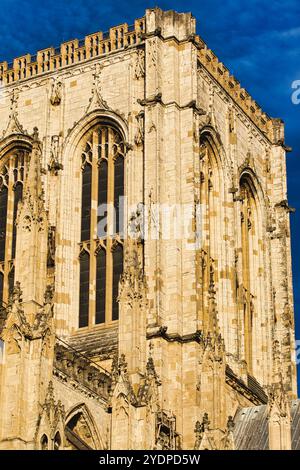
point(166, 93)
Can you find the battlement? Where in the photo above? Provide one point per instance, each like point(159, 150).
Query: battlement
point(234, 89)
point(155, 22)
point(72, 52)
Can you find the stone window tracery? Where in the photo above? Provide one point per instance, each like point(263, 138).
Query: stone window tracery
point(250, 252)
point(101, 246)
point(210, 194)
point(12, 170)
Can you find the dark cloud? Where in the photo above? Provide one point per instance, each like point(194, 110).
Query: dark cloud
point(258, 40)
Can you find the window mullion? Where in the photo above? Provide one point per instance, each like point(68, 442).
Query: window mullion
point(9, 230)
point(110, 214)
point(245, 252)
point(93, 230)
point(207, 236)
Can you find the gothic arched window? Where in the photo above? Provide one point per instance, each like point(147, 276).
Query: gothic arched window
point(211, 222)
point(101, 246)
point(250, 253)
point(12, 169)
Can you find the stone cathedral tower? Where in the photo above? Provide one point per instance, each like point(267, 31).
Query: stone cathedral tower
point(115, 332)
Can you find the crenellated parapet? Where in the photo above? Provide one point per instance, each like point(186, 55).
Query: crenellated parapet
point(124, 36)
point(208, 61)
point(72, 52)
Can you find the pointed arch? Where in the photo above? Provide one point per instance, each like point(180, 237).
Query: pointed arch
point(80, 128)
point(44, 442)
point(212, 137)
point(94, 154)
point(14, 157)
point(81, 411)
point(57, 442)
point(247, 173)
point(13, 141)
point(215, 178)
point(254, 288)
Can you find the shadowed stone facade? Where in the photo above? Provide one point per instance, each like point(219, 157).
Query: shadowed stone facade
point(197, 336)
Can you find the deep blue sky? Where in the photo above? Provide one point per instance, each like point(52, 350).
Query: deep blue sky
point(258, 40)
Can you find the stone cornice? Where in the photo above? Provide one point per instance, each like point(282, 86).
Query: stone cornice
point(256, 396)
point(192, 38)
point(161, 332)
point(158, 99)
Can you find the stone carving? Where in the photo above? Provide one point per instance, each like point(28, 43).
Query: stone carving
point(55, 165)
point(148, 388)
point(80, 422)
point(15, 297)
point(14, 126)
point(56, 92)
point(45, 313)
point(96, 100)
point(136, 224)
point(54, 410)
point(16, 312)
point(230, 423)
point(201, 428)
point(132, 286)
point(152, 52)
point(139, 136)
point(227, 441)
point(32, 209)
point(119, 375)
point(16, 320)
point(71, 366)
point(50, 421)
point(277, 399)
point(213, 439)
point(145, 394)
point(139, 70)
point(82, 430)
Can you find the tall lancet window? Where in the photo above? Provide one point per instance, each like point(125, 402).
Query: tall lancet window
point(101, 245)
point(250, 262)
point(210, 198)
point(12, 167)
